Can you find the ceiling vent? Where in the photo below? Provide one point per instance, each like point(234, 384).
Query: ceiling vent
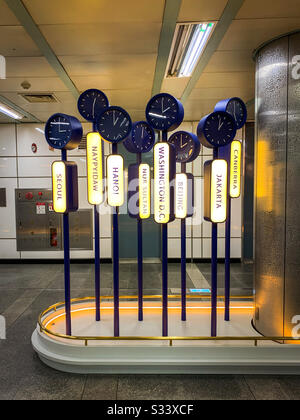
point(39, 98)
point(189, 42)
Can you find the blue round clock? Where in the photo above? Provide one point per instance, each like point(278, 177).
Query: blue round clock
point(164, 112)
point(187, 146)
point(236, 108)
point(91, 104)
point(114, 124)
point(63, 132)
point(216, 130)
point(141, 139)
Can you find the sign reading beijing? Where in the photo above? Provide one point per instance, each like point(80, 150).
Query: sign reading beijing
point(95, 168)
point(65, 187)
point(162, 183)
point(144, 191)
point(181, 196)
point(235, 169)
point(215, 191)
point(115, 180)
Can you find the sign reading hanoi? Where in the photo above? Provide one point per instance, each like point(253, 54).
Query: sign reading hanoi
point(95, 168)
point(162, 183)
point(115, 180)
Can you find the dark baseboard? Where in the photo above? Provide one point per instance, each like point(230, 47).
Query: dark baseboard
point(108, 261)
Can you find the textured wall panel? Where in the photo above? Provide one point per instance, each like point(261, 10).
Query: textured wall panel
point(271, 117)
point(292, 272)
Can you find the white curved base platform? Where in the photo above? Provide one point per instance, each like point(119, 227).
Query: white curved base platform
point(158, 357)
point(162, 359)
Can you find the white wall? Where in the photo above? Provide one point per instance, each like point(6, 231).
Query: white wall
point(21, 168)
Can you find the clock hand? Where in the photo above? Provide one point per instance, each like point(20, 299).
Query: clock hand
point(220, 125)
point(94, 107)
point(166, 110)
point(182, 145)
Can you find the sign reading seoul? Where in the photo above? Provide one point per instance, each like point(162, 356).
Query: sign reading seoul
point(115, 180)
point(95, 168)
point(181, 196)
point(144, 191)
point(235, 169)
point(65, 187)
point(161, 183)
point(215, 191)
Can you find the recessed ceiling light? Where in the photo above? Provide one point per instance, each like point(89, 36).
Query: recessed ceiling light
point(4, 109)
point(189, 42)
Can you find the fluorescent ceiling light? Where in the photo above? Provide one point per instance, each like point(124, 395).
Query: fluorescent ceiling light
point(4, 109)
point(189, 42)
point(40, 130)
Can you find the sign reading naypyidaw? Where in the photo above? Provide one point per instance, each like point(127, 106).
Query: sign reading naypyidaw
point(215, 191)
point(95, 168)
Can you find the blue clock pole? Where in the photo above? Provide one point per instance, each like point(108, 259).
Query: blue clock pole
point(214, 270)
point(97, 253)
point(66, 229)
point(183, 261)
point(165, 266)
point(116, 259)
point(140, 256)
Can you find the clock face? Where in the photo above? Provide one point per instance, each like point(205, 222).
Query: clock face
point(114, 124)
point(164, 112)
point(237, 109)
point(91, 104)
point(141, 139)
point(187, 146)
point(217, 129)
point(63, 132)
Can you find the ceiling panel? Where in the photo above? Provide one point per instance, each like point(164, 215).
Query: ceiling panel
point(6, 16)
point(269, 8)
point(111, 71)
point(14, 41)
point(94, 11)
point(37, 84)
point(107, 38)
point(230, 61)
point(250, 34)
point(217, 94)
point(229, 80)
point(25, 67)
point(131, 99)
point(175, 86)
point(201, 10)
point(64, 99)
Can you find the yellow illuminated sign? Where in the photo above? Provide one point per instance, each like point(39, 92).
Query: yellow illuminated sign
point(235, 169)
point(219, 191)
point(94, 168)
point(161, 183)
point(115, 180)
point(144, 191)
point(181, 196)
point(59, 187)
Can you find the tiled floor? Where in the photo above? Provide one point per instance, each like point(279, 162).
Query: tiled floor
point(25, 290)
